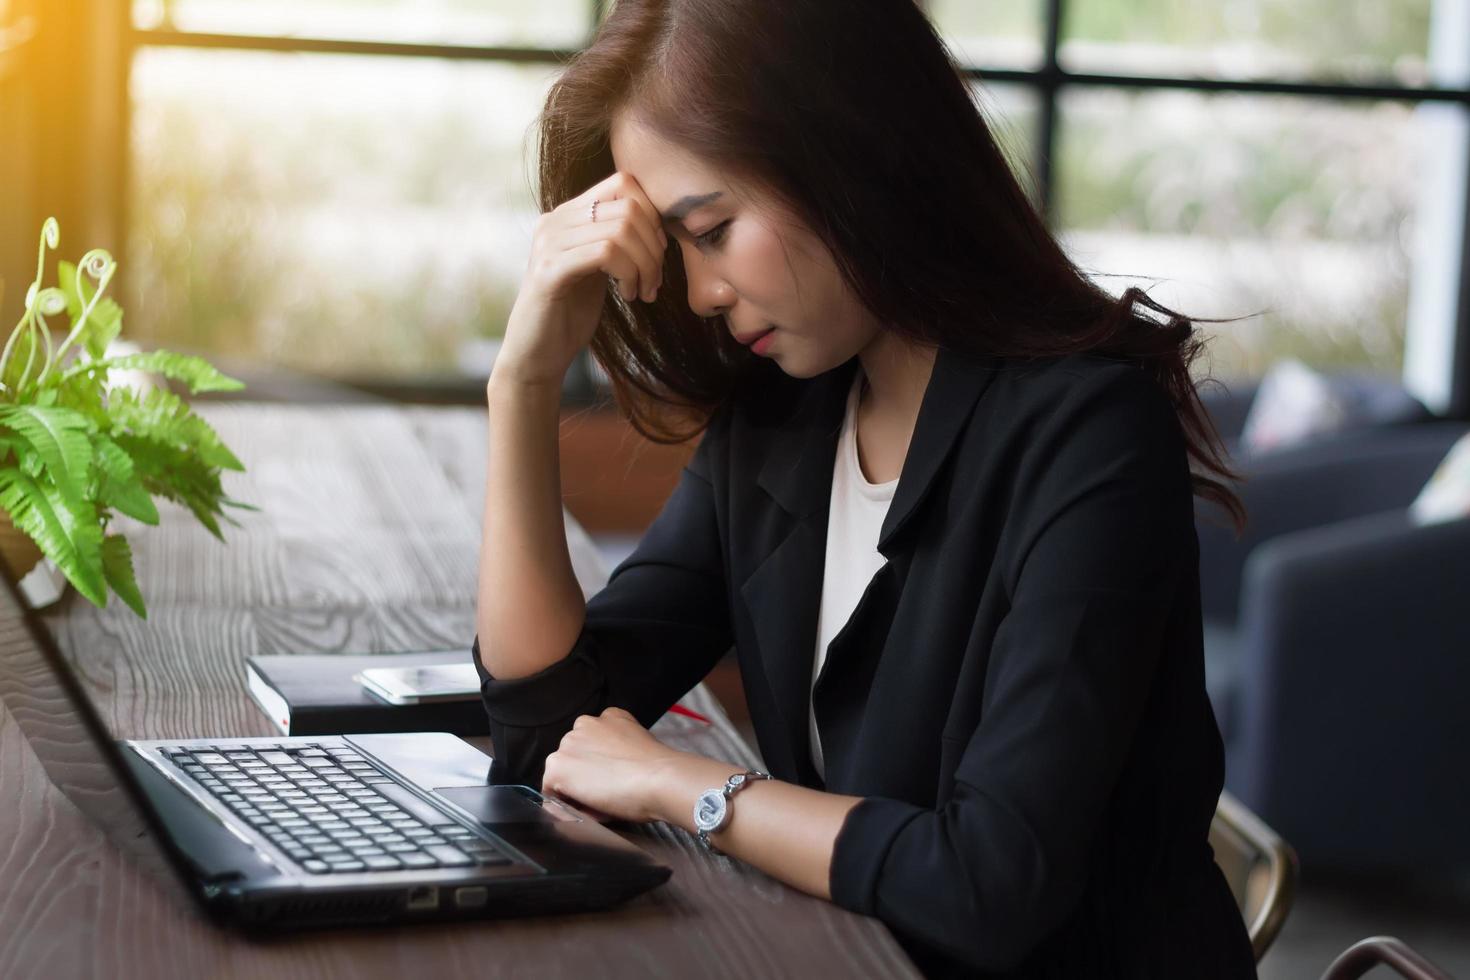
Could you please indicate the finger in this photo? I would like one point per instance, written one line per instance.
(645, 221)
(604, 190)
(616, 186)
(557, 779)
(623, 187)
(623, 221)
(551, 774)
(602, 255)
(624, 232)
(616, 712)
(647, 218)
(630, 188)
(627, 259)
(640, 215)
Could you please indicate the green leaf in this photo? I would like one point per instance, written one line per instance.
(58, 437)
(121, 487)
(105, 323)
(84, 393)
(162, 417)
(198, 373)
(178, 475)
(18, 354)
(117, 565)
(69, 536)
(66, 274)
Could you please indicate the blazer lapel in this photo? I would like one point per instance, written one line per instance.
(783, 594)
(955, 385)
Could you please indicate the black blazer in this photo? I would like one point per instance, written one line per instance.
(1019, 695)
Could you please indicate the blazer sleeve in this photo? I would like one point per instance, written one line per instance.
(652, 633)
(1107, 501)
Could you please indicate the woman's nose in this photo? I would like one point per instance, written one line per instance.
(709, 295)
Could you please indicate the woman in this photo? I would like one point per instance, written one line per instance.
(942, 506)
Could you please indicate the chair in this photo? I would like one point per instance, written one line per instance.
(1370, 400)
(1330, 479)
(1260, 867)
(1334, 631)
(1363, 956)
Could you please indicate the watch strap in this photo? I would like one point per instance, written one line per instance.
(733, 785)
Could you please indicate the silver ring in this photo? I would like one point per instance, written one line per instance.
(594, 211)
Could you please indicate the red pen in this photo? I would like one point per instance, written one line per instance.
(679, 709)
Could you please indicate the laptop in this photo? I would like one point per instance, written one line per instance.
(275, 834)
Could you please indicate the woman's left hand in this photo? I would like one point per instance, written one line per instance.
(609, 763)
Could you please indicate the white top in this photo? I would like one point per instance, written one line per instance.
(856, 516)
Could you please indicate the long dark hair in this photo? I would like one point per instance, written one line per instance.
(855, 117)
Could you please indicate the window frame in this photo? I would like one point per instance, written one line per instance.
(1445, 385)
(1049, 80)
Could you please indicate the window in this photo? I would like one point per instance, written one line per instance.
(349, 216)
(537, 24)
(342, 186)
(1365, 41)
(1299, 209)
(1005, 33)
(1012, 114)
(1300, 159)
(339, 187)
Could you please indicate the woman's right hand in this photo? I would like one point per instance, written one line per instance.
(560, 301)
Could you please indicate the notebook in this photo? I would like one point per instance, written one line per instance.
(317, 694)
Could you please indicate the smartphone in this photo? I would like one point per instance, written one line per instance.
(421, 685)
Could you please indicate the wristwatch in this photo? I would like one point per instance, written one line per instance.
(712, 809)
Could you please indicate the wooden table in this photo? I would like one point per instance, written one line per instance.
(368, 540)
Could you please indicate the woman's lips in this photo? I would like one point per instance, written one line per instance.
(763, 343)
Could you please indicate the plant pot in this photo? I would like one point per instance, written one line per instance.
(19, 552)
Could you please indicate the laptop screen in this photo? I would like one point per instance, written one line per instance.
(66, 733)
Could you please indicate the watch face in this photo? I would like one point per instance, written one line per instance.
(709, 809)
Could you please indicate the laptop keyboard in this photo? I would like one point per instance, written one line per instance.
(333, 811)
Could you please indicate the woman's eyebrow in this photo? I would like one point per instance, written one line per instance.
(679, 209)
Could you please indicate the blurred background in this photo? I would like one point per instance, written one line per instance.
(332, 199)
(343, 187)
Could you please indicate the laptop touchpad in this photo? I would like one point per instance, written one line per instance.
(502, 804)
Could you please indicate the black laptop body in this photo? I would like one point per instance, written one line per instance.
(271, 834)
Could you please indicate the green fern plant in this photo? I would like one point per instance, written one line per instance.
(75, 451)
